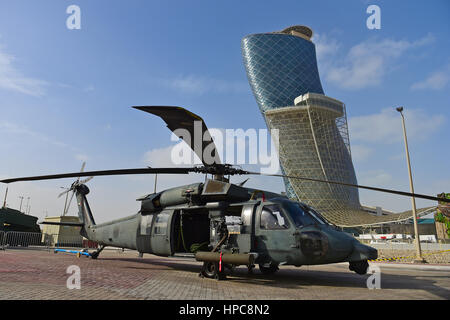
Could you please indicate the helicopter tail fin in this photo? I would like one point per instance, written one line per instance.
(84, 210)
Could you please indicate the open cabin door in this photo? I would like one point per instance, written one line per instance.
(161, 233)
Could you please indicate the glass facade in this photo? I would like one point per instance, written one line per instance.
(280, 67)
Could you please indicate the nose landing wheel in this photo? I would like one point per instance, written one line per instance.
(269, 268)
(360, 267)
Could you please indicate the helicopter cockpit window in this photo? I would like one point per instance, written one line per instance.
(273, 218)
(316, 215)
(302, 215)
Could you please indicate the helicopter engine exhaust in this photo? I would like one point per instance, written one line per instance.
(229, 258)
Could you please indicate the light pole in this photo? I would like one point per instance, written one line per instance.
(21, 199)
(28, 204)
(6, 195)
(419, 257)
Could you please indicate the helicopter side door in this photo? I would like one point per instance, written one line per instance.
(160, 238)
(245, 238)
(273, 233)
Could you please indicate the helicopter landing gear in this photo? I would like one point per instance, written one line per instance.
(268, 268)
(360, 267)
(94, 255)
(250, 268)
(211, 270)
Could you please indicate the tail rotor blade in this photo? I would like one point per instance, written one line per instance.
(85, 180)
(63, 193)
(82, 166)
(68, 205)
(81, 171)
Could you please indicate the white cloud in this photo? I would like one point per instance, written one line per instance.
(398, 156)
(12, 128)
(162, 157)
(325, 46)
(81, 157)
(12, 79)
(386, 126)
(199, 85)
(435, 81)
(375, 178)
(360, 153)
(367, 63)
(89, 88)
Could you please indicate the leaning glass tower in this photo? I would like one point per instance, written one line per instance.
(282, 72)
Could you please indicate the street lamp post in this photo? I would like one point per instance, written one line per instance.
(21, 199)
(419, 257)
(28, 204)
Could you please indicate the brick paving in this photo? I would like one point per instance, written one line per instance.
(34, 274)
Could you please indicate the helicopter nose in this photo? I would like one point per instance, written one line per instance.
(362, 252)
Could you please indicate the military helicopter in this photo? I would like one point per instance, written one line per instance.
(217, 222)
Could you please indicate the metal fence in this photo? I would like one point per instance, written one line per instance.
(14, 239)
(2, 235)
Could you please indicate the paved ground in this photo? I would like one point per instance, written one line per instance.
(31, 274)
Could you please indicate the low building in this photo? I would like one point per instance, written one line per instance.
(58, 235)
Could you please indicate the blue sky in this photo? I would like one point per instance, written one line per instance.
(65, 95)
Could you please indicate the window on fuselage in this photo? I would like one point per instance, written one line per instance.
(161, 223)
(272, 218)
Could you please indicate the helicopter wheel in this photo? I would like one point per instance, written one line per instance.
(211, 270)
(270, 269)
(360, 267)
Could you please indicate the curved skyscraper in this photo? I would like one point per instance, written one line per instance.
(282, 72)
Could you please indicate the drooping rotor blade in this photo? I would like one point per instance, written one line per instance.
(180, 118)
(402, 193)
(103, 173)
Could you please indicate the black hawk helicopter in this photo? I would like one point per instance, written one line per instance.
(220, 223)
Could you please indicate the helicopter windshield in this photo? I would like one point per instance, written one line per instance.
(303, 215)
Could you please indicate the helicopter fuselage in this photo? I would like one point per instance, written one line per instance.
(222, 217)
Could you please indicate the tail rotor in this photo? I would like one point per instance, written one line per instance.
(72, 188)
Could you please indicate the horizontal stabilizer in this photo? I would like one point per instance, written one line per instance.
(70, 224)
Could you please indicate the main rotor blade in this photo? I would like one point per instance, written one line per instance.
(179, 118)
(103, 173)
(402, 193)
